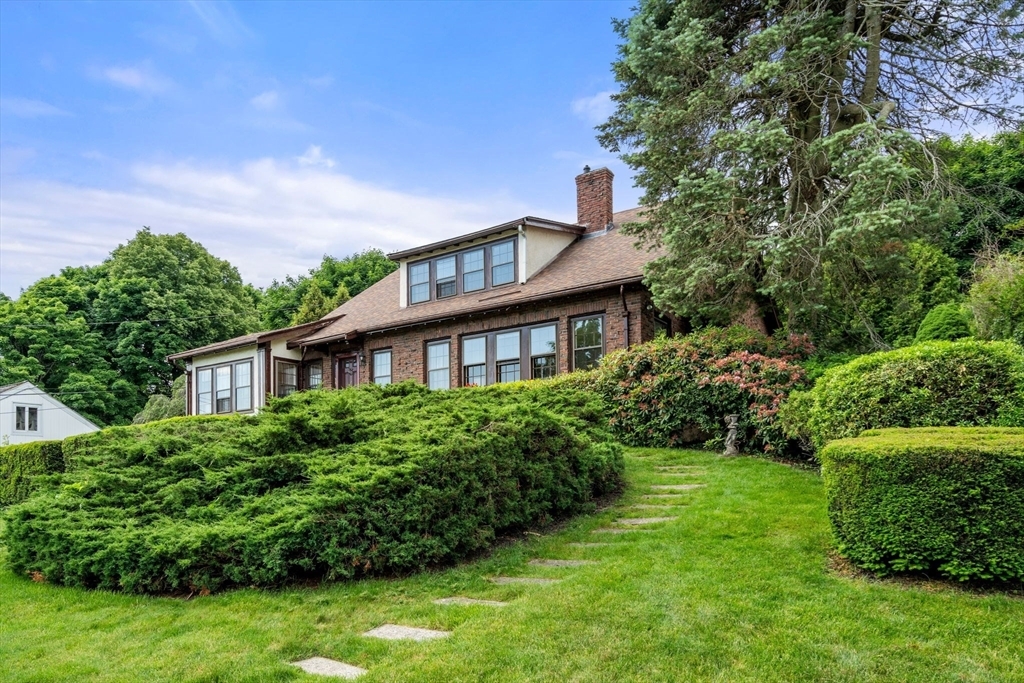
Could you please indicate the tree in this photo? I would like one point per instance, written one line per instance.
(991, 208)
(160, 407)
(996, 299)
(356, 272)
(314, 306)
(780, 143)
(97, 337)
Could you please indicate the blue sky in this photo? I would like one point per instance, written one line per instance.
(275, 133)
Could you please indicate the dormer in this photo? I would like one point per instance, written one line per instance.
(504, 255)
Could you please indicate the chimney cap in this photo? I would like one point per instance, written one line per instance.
(586, 169)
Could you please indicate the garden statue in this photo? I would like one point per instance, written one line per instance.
(732, 422)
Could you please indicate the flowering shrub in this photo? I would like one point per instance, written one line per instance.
(673, 391)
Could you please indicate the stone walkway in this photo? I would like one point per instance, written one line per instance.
(626, 525)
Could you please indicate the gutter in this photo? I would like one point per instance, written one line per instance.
(622, 282)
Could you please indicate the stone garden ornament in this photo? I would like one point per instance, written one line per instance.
(732, 423)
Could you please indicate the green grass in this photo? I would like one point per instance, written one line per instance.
(736, 589)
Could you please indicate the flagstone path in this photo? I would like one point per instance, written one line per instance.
(397, 632)
(458, 600)
(322, 666)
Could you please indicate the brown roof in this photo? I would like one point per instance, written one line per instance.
(295, 331)
(593, 261)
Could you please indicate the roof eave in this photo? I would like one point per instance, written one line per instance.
(532, 221)
(471, 311)
(304, 329)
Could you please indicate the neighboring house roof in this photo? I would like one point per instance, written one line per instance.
(594, 261)
(526, 220)
(19, 389)
(295, 331)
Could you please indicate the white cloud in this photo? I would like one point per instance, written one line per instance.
(265, 100)
(222, 22)
(595, 109)
(139, 78)
(29, 109)
(314, 156)
(269, 218)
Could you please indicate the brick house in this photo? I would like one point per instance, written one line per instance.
(529, 298)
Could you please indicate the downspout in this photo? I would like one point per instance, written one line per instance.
(625, 312)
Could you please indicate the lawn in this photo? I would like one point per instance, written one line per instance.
(737, 588)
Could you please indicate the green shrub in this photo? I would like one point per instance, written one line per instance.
(21, 464)
(997, 298)
(945, 322)
(323, 484)
(949, 500)
(678, 390)
(961, 383)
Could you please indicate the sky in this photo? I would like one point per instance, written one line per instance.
(275, 133)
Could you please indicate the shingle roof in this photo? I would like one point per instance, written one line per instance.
(256, 337)
(7, 387)
(593, 261)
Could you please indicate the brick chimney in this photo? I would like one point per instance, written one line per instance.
(594, 198)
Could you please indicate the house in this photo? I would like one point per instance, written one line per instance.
(526, 299)
(27, 413)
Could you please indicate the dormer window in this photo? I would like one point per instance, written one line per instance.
(472, 270)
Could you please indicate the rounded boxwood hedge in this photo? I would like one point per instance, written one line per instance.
(322, 484)
(945, 499)
(959, 383)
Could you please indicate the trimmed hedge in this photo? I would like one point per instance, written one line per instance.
(960, 383)
(20, 464)
(947, 500)
(322, 484)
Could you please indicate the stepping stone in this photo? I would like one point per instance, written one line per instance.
(617, 531)
(676, 487)
(396, 632)
(676, 496)
(560, 563)
(677, 467)
(469, 601)
(589, 545)
(634, 521)
(654, 507)
(321, 666)
(681, 474)
(506, 580)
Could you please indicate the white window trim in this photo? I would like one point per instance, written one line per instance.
(27, 407)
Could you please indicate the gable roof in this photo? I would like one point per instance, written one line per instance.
(594, 261)
(296, 331)
(8, 390)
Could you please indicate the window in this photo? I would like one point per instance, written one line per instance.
(382, 367)
(474, 362)
(314, 374)
(473, 270)
(507, 356)
(204, 384)
(446, 285)
(542, 352)
(243, 386)
(588, 342)
(503, 267)
(222, 376)
(287, 378)
(439, 365)
(26, 418)
(224, 389)
(419, 283)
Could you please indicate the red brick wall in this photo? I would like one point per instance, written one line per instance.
(409, 345)
(594, 199)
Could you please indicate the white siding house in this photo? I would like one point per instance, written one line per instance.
(27, 413)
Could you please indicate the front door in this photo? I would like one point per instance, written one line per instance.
(348, 371)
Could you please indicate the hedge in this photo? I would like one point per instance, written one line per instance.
(959, 383)
(21, 464)
(322, 484)
(947, 500)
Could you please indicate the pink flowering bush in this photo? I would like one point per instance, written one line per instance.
(674, 391)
